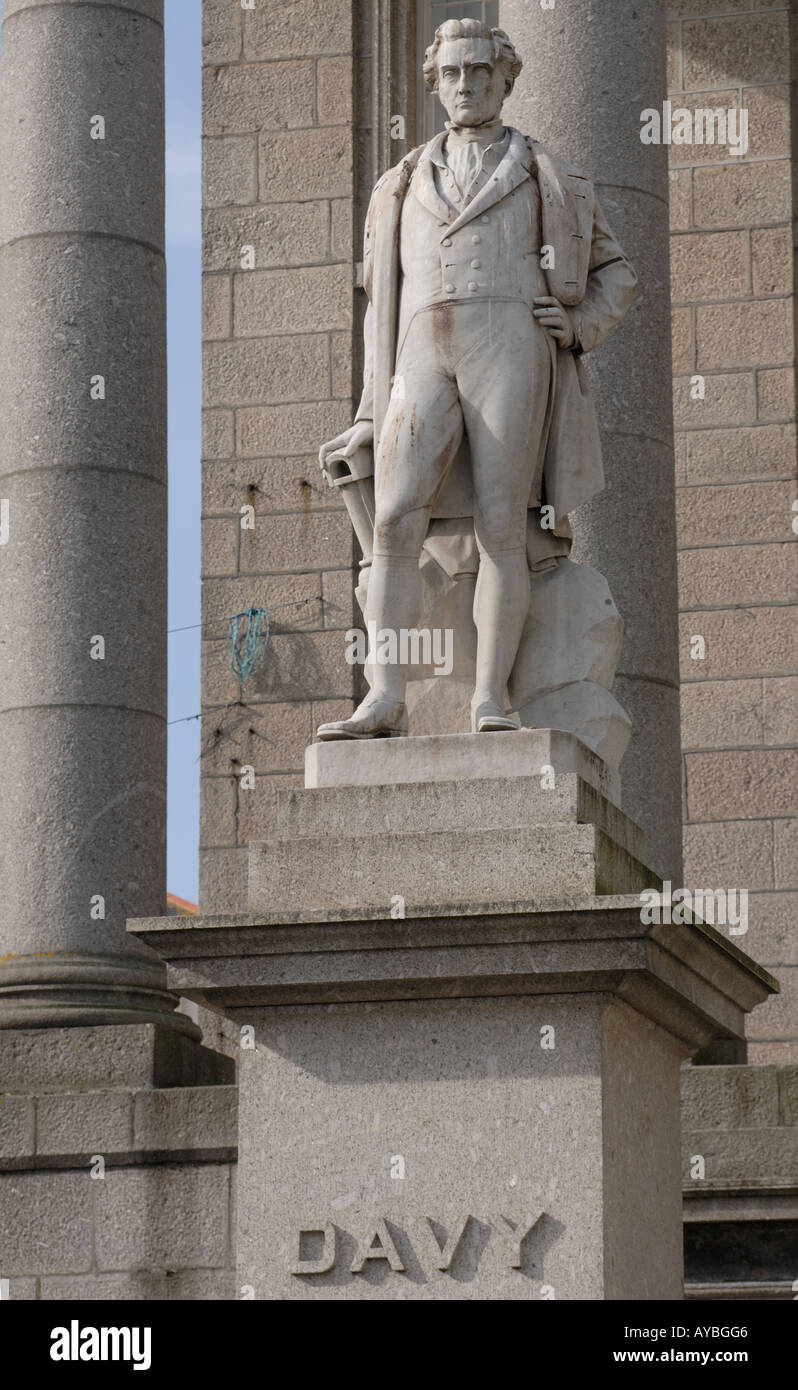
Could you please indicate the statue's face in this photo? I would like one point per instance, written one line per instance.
(471, 84)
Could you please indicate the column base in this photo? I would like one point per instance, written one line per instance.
(68, 990)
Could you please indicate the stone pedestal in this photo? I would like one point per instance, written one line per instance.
(451, 1099)
(517, 1069)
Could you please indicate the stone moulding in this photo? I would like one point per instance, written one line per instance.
(80, 989)
(689, 979)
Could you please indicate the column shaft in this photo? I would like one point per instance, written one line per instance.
(83, 472)
(590, 69)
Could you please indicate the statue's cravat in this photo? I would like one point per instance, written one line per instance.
(465, 162)
(467, 153)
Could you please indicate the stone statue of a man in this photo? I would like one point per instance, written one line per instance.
(489, 269)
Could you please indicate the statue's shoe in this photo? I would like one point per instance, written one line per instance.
(489, 717)
(373, 719)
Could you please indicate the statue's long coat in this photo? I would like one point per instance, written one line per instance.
(590, 276)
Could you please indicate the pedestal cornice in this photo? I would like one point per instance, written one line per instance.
(688, 979)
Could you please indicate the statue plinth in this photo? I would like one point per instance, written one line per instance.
(454, 1099)
(456, 758)
(494, 818)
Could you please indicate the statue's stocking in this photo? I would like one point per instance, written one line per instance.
(501, 603)
(393, 603)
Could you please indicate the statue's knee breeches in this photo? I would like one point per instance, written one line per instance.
(500, 527)
(400, 531)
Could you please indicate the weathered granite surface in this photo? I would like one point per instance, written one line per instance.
(516, 1067)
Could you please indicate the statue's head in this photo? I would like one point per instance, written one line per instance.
(472, 68)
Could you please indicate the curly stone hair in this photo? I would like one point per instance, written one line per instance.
(503, 49)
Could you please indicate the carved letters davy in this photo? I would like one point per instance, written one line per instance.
(379, 1244)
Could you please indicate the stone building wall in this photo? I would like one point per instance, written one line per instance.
(279, 156)
(732, 265)
(118, 1151)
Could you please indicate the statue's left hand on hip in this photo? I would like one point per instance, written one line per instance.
(551, 315)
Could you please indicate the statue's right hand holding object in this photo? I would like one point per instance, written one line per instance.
(358, 436)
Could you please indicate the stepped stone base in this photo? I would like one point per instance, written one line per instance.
(540, 829)
(536, 864)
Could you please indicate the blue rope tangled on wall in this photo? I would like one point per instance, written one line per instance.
(247, 648)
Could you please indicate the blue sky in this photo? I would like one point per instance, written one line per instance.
(183, 257)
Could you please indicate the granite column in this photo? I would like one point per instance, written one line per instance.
(590, 70)
(83, 485)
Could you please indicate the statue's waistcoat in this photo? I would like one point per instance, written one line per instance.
(495, 256)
